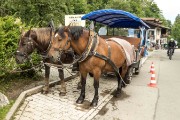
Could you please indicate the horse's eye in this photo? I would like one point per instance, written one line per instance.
(59, 39)
(23, 44)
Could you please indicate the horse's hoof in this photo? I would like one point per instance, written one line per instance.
(93, 103)
(62, 93)
(117, 94)
(123, 85)
(91, 75)
(79, 101)
(79, 87)
(44, 91)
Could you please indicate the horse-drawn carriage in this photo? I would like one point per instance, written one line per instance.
(98, 54)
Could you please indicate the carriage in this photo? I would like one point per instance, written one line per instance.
(121, 19)
(98, 53)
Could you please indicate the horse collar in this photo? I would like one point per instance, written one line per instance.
(91, 46)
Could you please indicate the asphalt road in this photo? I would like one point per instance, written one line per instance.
(141, 102)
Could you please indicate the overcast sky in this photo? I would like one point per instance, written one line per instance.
(170, 8)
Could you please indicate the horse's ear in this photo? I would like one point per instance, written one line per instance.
(69, 25)
(22, 31)
(30, 31)
(67, 28)
(51, 24)
(30, 28)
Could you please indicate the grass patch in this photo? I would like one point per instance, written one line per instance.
(13, 85)
(4, 110)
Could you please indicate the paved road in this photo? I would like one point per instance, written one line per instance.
(140, 102)
(137, 102)
(169, 86)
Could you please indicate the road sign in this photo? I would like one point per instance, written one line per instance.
(75, 20)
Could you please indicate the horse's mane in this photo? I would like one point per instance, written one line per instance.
(42, 34)
(75, 31)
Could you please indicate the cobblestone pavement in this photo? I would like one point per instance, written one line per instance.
(55, 107)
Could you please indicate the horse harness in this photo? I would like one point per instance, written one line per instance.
(90, 51)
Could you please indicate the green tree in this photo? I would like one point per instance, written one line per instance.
(175, 32)
(9, 33)
(38, 13)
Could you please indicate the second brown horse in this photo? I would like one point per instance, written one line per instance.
(81, 41)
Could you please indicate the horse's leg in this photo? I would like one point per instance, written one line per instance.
(62, 82)
(79, 85)
(118, 91)
(123, 72)
(97, 74)
(120, 72)
(46, 86)
(83, 85)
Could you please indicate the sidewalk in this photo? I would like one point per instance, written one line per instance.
(55, 107)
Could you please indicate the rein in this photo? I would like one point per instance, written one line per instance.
(34, 67)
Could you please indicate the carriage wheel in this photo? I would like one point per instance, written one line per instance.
(129, 75)
(136, 71)
(170, 57)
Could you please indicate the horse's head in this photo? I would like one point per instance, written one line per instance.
(60, 43)
(26, 46)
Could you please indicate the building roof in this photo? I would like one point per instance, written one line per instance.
(154, 22)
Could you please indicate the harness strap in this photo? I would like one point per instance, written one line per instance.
(109, 50)
(109, 61)
(91, 46)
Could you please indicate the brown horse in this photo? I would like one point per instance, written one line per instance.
(40, 39)
(82, 42)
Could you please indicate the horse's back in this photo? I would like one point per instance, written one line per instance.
(128, 49)
(132, 40)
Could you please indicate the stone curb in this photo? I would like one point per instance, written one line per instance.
(29, 92)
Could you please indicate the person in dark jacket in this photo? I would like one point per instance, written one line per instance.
(171, 44)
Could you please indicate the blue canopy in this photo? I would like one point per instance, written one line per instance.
(115, 18)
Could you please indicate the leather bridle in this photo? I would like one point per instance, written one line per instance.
(31, 44)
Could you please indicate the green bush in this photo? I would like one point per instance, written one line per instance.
(10, 30)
